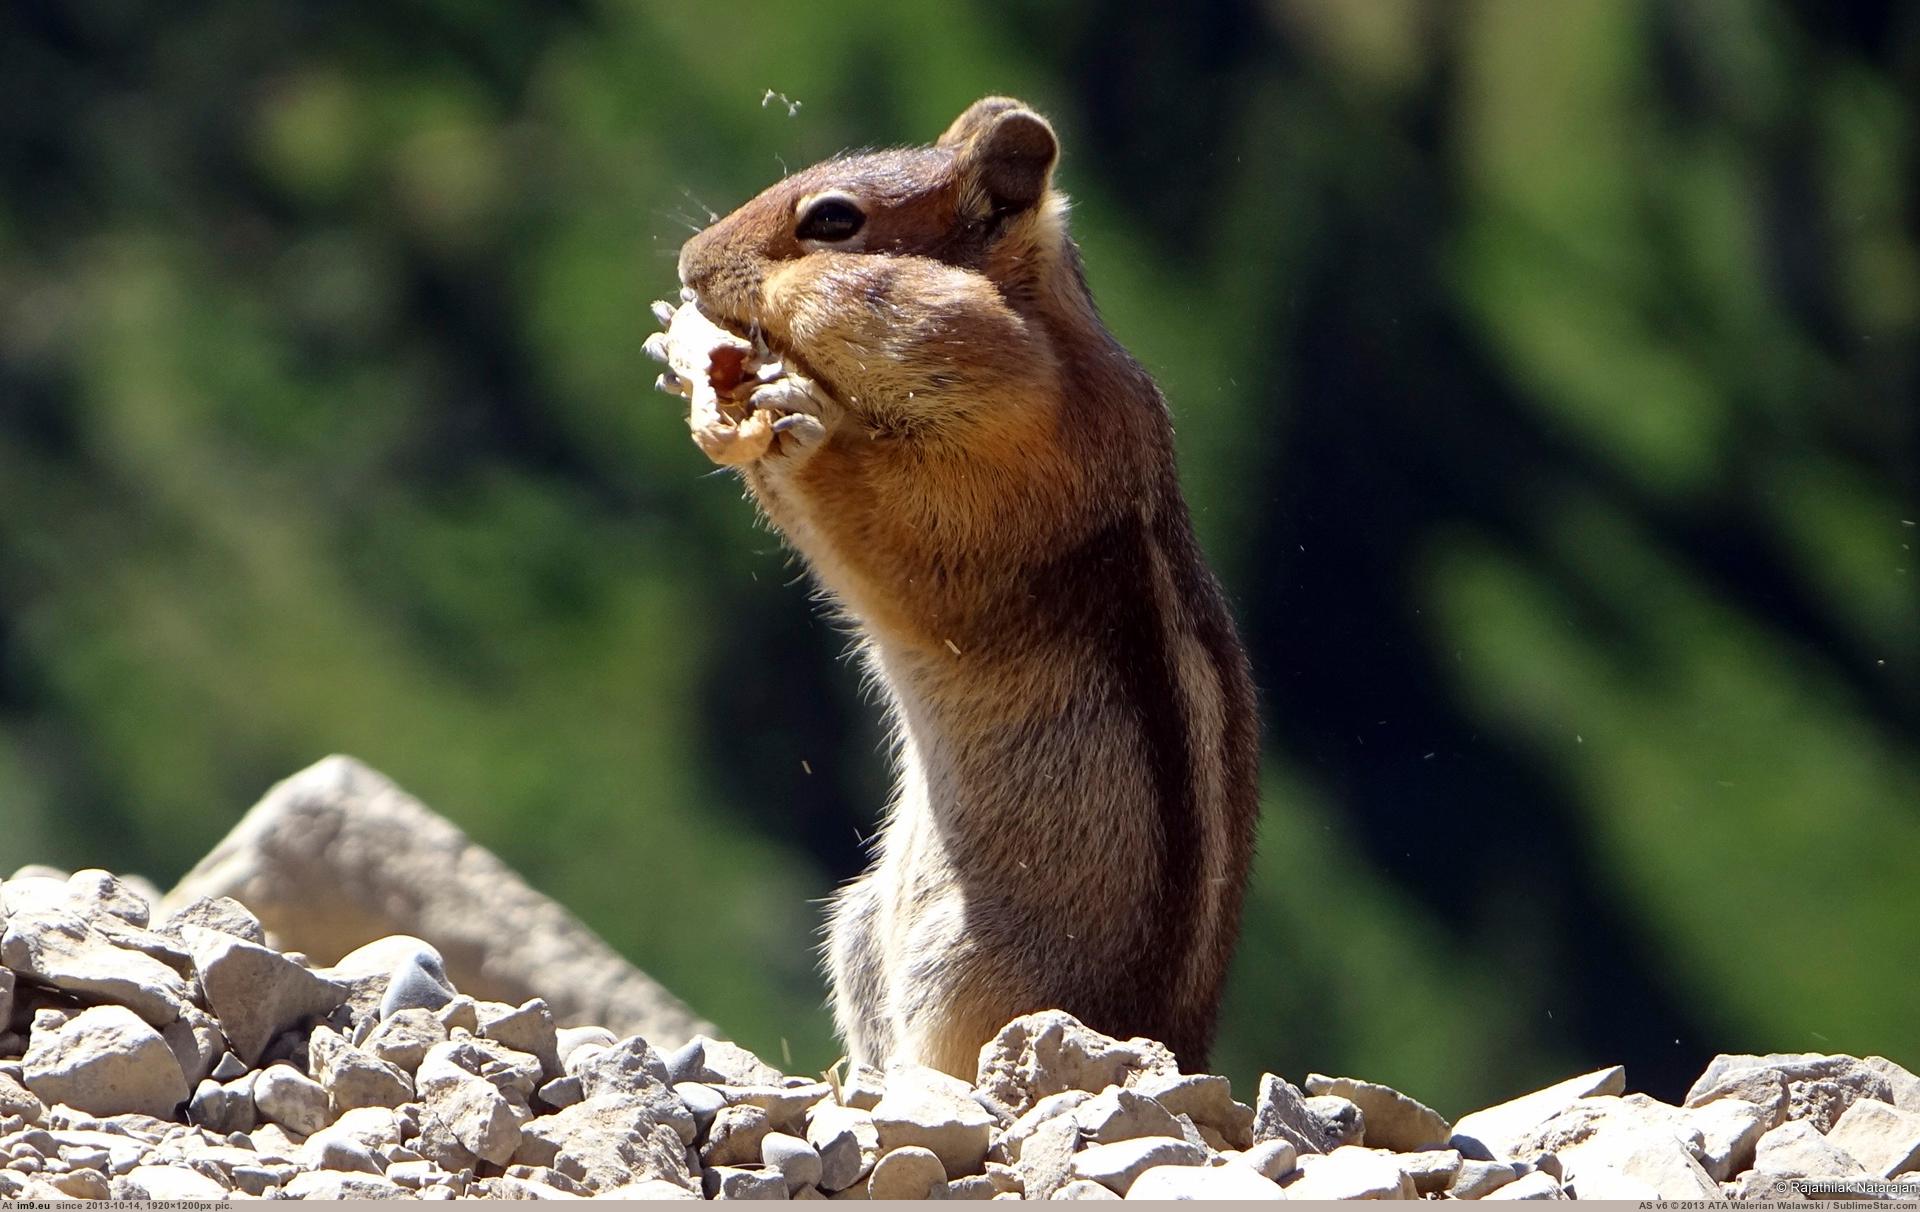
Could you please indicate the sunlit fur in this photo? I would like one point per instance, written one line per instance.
(994, 507)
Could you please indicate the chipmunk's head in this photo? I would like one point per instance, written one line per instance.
(979, 199)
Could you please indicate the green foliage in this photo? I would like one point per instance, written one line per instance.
(1545, 378)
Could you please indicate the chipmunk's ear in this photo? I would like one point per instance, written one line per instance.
(1006, 150)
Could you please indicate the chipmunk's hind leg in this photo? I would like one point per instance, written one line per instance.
(858, 974)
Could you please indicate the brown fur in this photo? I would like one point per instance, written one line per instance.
(993, 503)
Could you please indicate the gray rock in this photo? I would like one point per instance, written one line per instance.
(166, 1183)
(1281, 1114)
(569, 1039)
(334, 1184)
(934, 1111)
(1273, 1159)
(740, 1182)
(1046, 1155)
(1537, 1185)
(1204, 1098)
(1796, 1149)
(58, 947)
(460, 1014)
(721, 1063)
(1882, 1138)
(1121, 1114)
(404, 1039)
(1341, 1120)
(105, 893)
(228, 1067)
(353, 1078)
(1349, 1172)
(417, 981)
(254, 992)
(1492, 1133)
(1729, 1129)
(105, 1061)
(6, 996)
(18, 1101)
(794, 1158)
(1041, 1054)
(628, 1066)
(196, 1042)
(1203, 1182)
(1008, 1142)
(341, 835)
(734, 1139)
(1764, 1088)
(564, 1091)
(650, 1188)
(1820, 1087)
(221, 913)
(1477, 1179)
(847, 1141)
(786, 1106)
(1393, 1121)
(703, 1101)
(1432, 1170)
(223, 1108)
(909, 1172)
(466, 1106)
(1903, 1083)
(528, 1028)
(608, 1142)
(1115, 1166)
(1083, 1188)
(288, 1097)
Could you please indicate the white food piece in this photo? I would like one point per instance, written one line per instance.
(737, 388)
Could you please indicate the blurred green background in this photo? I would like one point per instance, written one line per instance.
(1546, 384)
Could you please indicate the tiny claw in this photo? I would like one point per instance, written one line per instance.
(803, 427)
(670, 383)
(687, 295)
(663, 311)
(655, 347)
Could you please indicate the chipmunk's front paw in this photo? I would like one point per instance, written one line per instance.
(746, 404)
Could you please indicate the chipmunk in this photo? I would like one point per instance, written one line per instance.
(914, 383)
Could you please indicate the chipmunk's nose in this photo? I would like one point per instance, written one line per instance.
(696, 259)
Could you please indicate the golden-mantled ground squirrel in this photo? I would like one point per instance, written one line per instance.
(900, 354)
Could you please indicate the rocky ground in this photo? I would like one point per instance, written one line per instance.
(181, 1053)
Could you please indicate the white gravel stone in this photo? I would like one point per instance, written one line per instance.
(1432, 1170)
(334, 1184)
(59, 947)
(1393, 1120)
(256, 993)
(1116, 1165)
(1541, 1185)
(1882, 1138)
(404, 1039)
(290, 1098)
(1271, 1159)
(908, 1172)
(1041, 1054)
(1203, 1182)
(1349, 1173)
(168, 1183)
(1902, 1081)
(1492, 1133)
(734, 1139)
(1206, 1099)
(221, 913)
(105, 1061)
(1729, 1129)
(353, 1078)
(1121, 1114)
(609, 1142)
(469, 1108)
(1281, 1113)
(1084, 1188)
(794, 1158)
(934, 1111)
(528, 1028)
(1797, 1149)
(1477, 1179)
(848, 1142)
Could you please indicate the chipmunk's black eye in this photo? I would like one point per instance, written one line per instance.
(830, 220)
